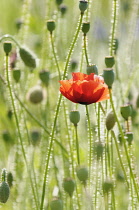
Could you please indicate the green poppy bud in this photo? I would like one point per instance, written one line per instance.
(6, 136)
(27, 57)
(108, 75)
(109, 61)
(4, 192)
(126, 111)
(58, 2)
(56, 204)
(129, 137)
(9, 114)
(85, 27)
(73, 64)
(83, 6)
(16, 74)
(63, 9)
(44, 77)
(51, 25)
(10, 179)
(74, 117)
(82, 174)
(35, 137)
(92, 69)
(99, 148)
(35, 94)
(107, 186)
(69, 186)
(110, 120)
(7, 46)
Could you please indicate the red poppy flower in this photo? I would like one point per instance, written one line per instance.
(84, 89)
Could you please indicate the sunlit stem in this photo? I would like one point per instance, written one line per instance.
(77, 145)
(85, 49)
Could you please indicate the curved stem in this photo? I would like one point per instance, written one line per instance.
(8, 36)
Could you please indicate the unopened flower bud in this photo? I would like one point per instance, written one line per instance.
(83, 6)
(16, 74)
(86, 27)
(109, 61)
(27, 57)
(110, 120)
(35, 137)
(9, 114)
(82, 174)
(56, 204)
(44, 77)
(35, 94)
(7, 46)
(99, 148)
(51, 25)
(6, 136)
(10, 179)
(126, 111)
(92, 69)
(107, 186)
(4, 192)
(58, 2)
(129, 137)
(63, 9)
(108, 75)
(73, 64)
(69, 186)
(74, 117)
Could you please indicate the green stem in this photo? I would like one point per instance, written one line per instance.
(85, 49)
(77, 145)
(125, 147)
(55, 56)
(8, 36)
(18, 128)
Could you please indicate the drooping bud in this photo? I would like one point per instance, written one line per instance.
(35, 137)
(69, 186)
(107, 185)
(35, 95)
(126, 111)
(16, 74)
(51, 25)
(92, 69)
(129, 137)
(109, 61)
(7, 46)
(56, 204)
(108, 75)
(83, 6)
(85, 27)
(82, 174)
(27, 57)
(74, 117)
(110, 120)
(99, 148)
(44, 77)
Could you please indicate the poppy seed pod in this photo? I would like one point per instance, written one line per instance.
(109, 76)
(92, 69)
(69, 186)
(35, 137)
(7, 46)
(4, 192)
(83, 6)
(16, 74)
(44, 77)
(73, 64)
(51, 25)
(35, 94)
(129, 137)
(63, 9)
(85, 27)
(109, 61)
(82, 174)
(126, 111)
(74, 117)
(110, 120)
(107, 185)
(99, 148)
(58, 2)
(27, 57)
(56, 204)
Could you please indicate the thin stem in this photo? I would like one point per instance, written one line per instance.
(124, 143)
(55, 56)
(18, 128)
(85, 49)
(77, 145)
